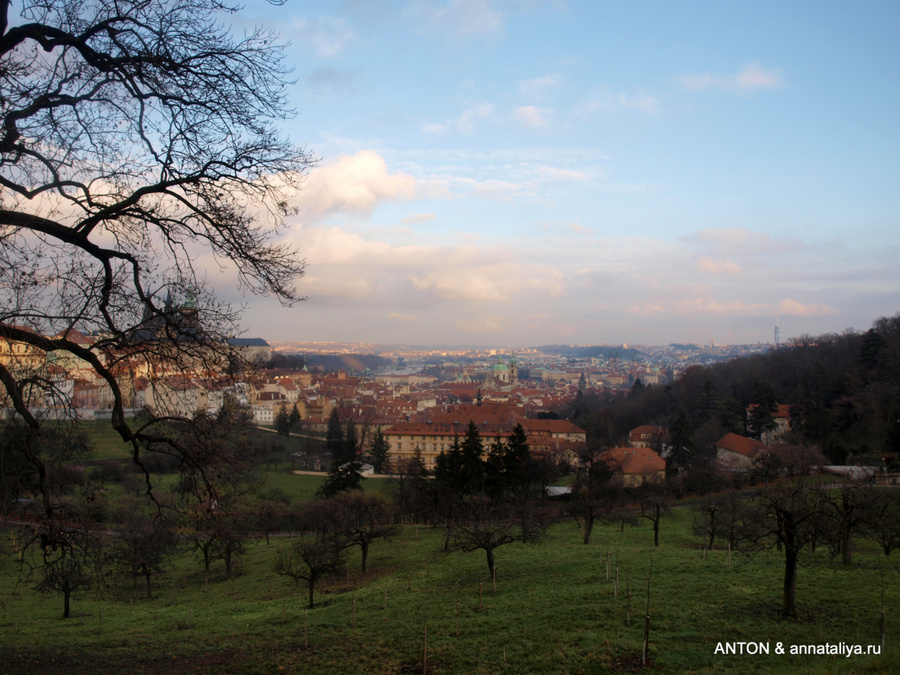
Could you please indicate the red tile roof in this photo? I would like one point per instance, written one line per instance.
(741, 445)
(632, 461)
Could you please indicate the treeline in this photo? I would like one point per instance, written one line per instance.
(351, 363)
(843, 390)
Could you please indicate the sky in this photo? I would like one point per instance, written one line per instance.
(525, 172)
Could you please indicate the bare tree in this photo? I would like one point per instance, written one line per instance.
(720, 516)
(314, 555)
(135, 137)
(786, 515)
(486, 525)
(593, 493)
(361, 519)
(654, 500)
(142, 545)
(847, 508)
(65, 560)
(882, 519)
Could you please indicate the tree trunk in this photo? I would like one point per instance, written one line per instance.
(66, 595)
(656, 518)
(788, 607)
(365, 555)
(846, 543)
(490, 561)
(587, 528)
(147, 578)
(312, 586)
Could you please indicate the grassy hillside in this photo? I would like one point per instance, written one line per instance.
(554, 611)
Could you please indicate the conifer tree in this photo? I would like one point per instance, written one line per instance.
(379, 451)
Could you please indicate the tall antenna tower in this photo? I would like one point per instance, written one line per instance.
(777, 332)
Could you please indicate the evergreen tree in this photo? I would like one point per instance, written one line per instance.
(334, 436)
(379, 451)
(681, 440)
(495, 478)
(448, 468)
(283, 422)
(518, 464)
(471, 477)
(342, 477)
(295, 421)
(351, 442)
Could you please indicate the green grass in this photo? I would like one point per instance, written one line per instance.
(554, 611)
(107, 443)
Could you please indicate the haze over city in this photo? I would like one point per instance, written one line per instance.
(522, 173)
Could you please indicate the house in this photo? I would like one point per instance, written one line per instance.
(635, 466)
(647, 436)
(735, 453)
(781, 417)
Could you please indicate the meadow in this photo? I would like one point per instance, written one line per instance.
(554, 610)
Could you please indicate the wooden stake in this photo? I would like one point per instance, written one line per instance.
(283, 611)
(384, 603)
(628, 610)
(494, 580)
(101, 622)
(882, 611)
(479, 594)
(306, 629)
(354, 612)
(457, 617)
(728, 559)
(617, 581)
(424, 650)
(647, 619)
(607, 565)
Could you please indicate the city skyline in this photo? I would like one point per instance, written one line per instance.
(525, 173)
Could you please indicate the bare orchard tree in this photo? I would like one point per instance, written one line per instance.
(136, 136)
(882, 522)
(319, 552)
(486, 525)
(361, 519)
(787, 515)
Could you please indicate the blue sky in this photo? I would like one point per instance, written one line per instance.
(503, 172)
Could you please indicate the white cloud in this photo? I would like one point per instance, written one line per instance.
(465, 123)
(537, 85)
(751, 78)
(481, 324)
(326, 36)
(739, 241)
(433, 129)
(356, 183)
(710, 266)
(461, 19)
(612, 102)
(793, 308)
(418, 218)
(575, 227)
(531, 117)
